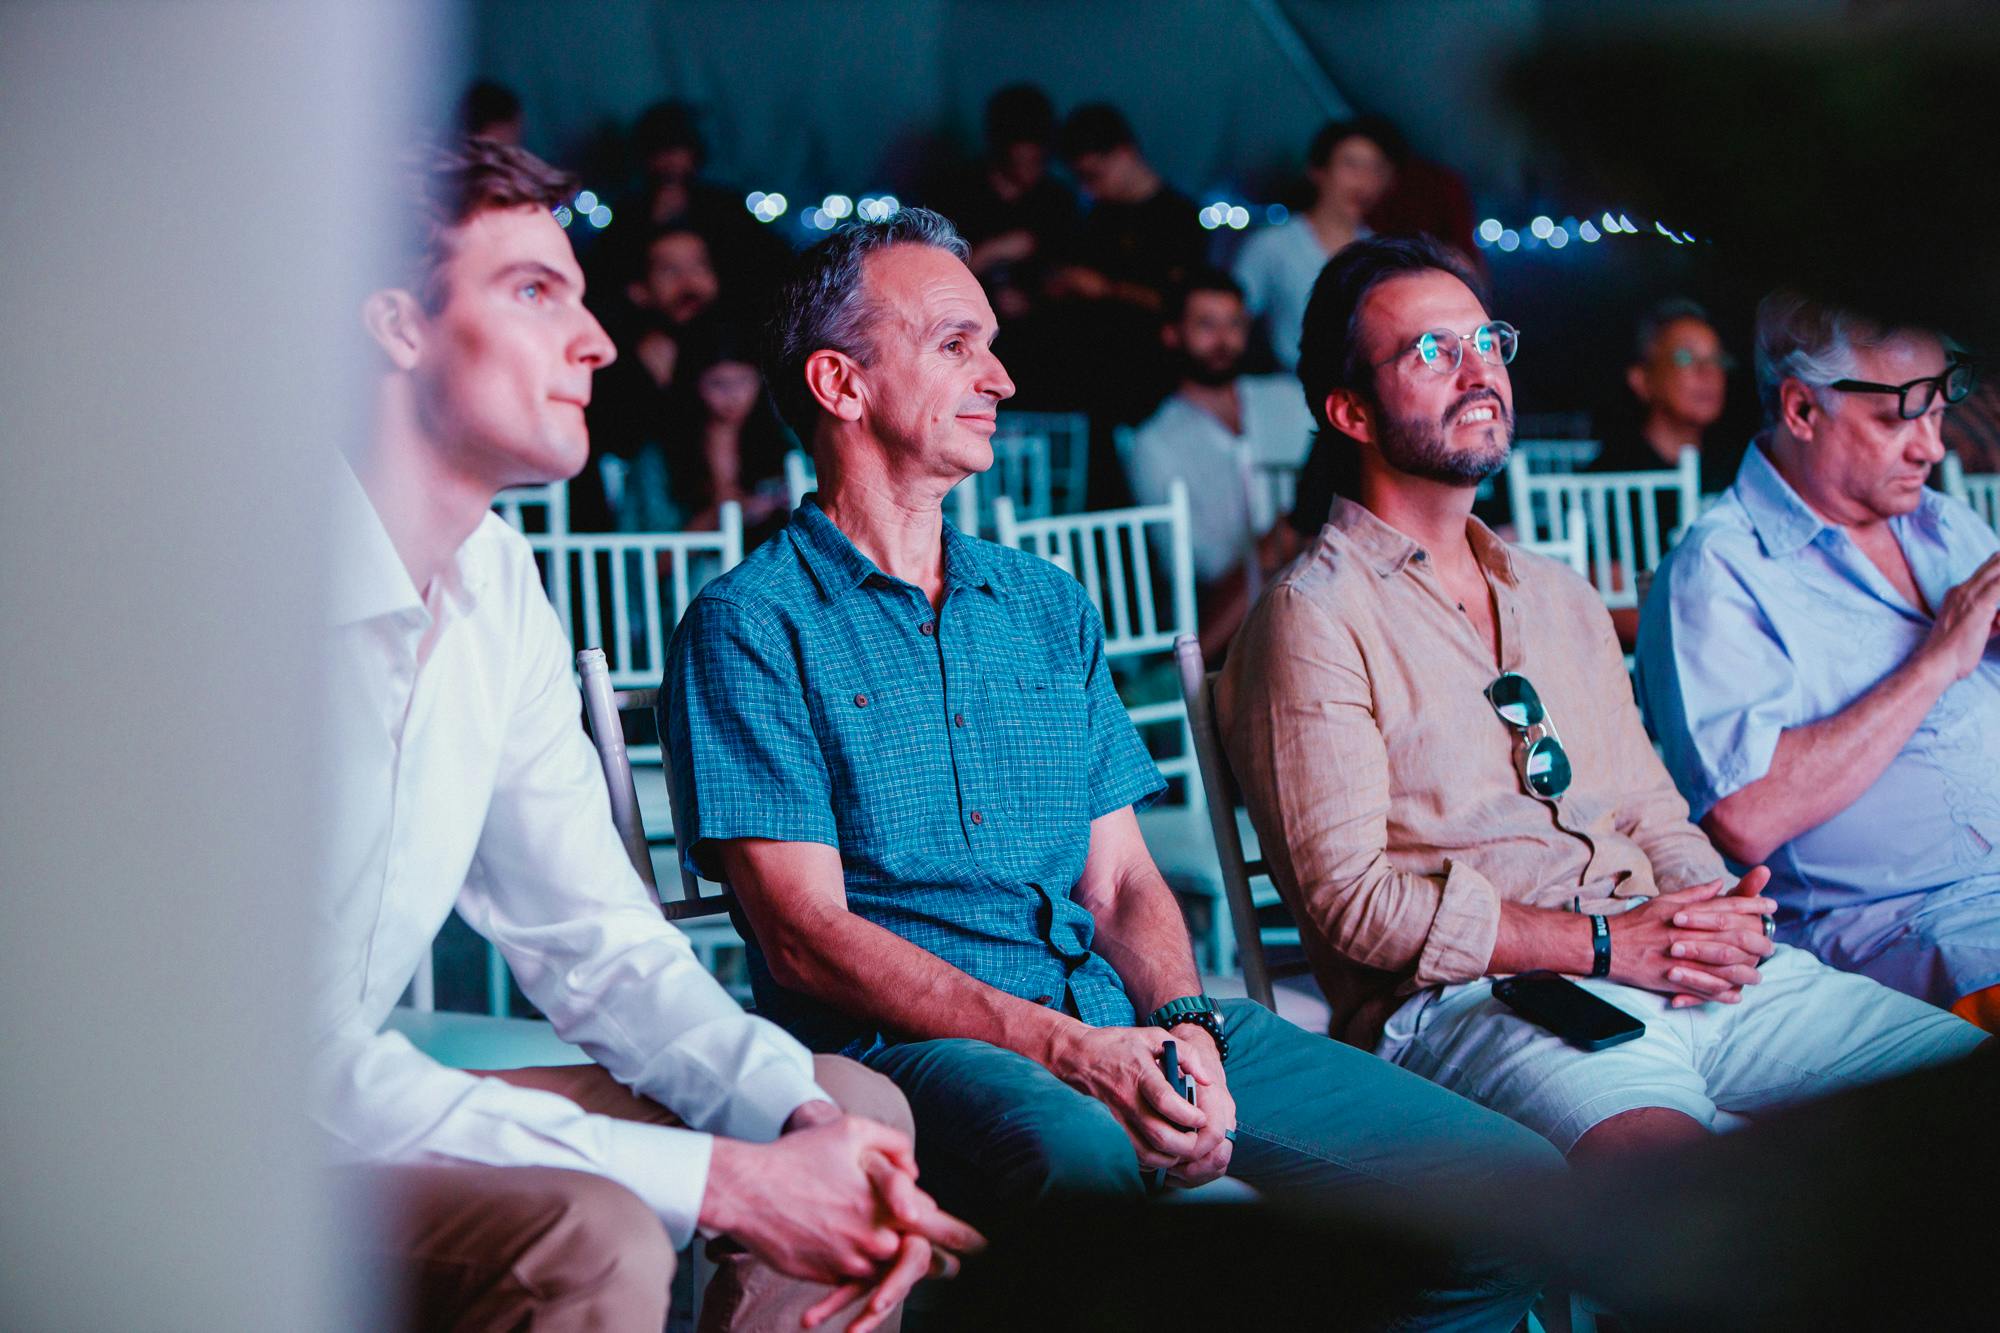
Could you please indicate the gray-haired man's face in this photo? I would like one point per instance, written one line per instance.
(931, 383)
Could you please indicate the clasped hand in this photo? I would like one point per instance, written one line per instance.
(836, 1200)
(1696, 944)
(1121, 1068)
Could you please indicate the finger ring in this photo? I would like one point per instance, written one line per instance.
(1770, 929)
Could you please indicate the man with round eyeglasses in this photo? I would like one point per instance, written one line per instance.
(1449, 777)
(1820, 661)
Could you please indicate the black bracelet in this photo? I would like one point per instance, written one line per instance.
(1209, 1022)
(1600, 947)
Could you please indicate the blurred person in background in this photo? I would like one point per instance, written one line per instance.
(1009, 209)
(1679, 381)
(1820, 662)
(671, 152)
(634, 417)
(1138, 237)
(1211, 432)
(542, 1196)
(733, 447)
(490, 110)
(1350, 166)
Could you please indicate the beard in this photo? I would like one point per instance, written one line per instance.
(1207, 373)
(1418, 448)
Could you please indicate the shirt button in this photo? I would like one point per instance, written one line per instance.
(928, 628)
(860, 701)
(978, 818)
(958, 719)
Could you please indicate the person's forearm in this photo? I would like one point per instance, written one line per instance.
(862, 969)
(1141, 934)
(1823, 767)
(1541, 937)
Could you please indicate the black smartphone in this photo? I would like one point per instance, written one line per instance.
(1170, 1065)
(1567, 1009)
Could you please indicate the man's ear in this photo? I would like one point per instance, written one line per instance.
(396, 322)
(835, 381)
(1798, 411)
(1170, 337)
(1635, 380)
(638, 295)
(1346, 413)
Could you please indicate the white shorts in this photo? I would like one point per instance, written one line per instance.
(1804, 1031)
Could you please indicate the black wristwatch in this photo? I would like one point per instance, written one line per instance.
(1600, 947)
(1196, 1009)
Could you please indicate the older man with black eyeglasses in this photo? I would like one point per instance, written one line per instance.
(1449, 776)
(1821, 663)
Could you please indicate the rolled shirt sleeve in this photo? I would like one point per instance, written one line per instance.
(1718, 683)
(1314, 770)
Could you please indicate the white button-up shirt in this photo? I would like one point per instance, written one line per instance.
(462, 776)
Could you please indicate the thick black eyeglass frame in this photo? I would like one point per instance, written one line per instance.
(1958, 373)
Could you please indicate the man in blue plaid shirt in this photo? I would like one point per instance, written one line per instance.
(901, 747)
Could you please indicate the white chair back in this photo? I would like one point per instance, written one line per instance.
(1568, 548)
(1619, 514)
(1111, 553)
(1981, 490)
(1064, 460)
(1247, 909)
(535, 509)
(1563, 456)
(625, 591)
(802, 478)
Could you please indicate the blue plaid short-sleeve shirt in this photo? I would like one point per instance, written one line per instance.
(955, 759)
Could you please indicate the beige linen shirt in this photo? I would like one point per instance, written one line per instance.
(1384, 788)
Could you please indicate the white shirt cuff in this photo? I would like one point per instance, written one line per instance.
(761, 1103)
(668, 1168)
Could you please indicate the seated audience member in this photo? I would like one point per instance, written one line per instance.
(1447, 771)
(734, 447)
(1109, 281)
(670, 151)
(490, 110)
(1678, 378)
(1216, 425)
(1009, 209)
(1819, 661)
(542, 1197)
(1677, 381)
(634, 417)
(1350, 166)
(900, 746)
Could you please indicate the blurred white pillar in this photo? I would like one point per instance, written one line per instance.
(178, 230)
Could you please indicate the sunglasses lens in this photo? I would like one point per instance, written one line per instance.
(1548, 768)
(1515, 700)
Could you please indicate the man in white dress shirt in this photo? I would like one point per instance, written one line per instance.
(546, 1197)
(1214, 432)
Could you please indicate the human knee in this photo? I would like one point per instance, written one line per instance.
(1084, 1151)
(860, 1091)
(602, 1237)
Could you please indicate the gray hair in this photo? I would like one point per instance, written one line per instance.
(822, 305)
(1802, 339)
(1654, 322)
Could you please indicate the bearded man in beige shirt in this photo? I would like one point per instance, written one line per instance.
(1447, 770)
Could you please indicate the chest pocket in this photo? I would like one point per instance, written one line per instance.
(886, 755)
(1037, 755)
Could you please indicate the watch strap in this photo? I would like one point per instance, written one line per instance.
(1197, 1009)
(1600, 947)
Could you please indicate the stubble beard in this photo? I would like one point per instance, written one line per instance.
(1418, 448)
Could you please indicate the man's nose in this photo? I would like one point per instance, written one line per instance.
(593, 346)
(994, 380)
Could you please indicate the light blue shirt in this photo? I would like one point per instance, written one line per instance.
(1766, 617)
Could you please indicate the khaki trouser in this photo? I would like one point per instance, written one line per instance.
(529, 1247)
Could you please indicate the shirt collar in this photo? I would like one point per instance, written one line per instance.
(370, 579)
(1387, 550)
(838, 565)
(1785, 523)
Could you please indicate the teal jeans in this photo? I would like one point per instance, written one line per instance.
(999, 1135)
